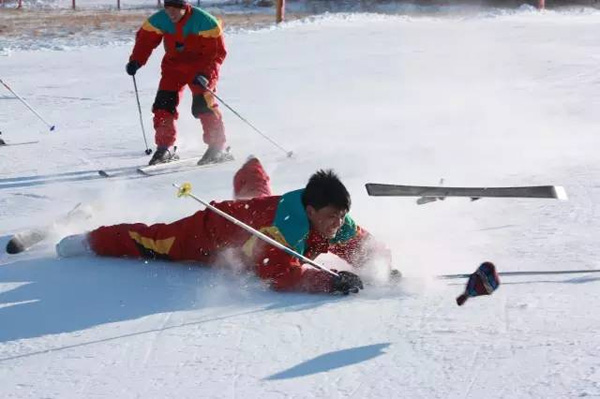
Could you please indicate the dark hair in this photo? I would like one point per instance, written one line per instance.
(324, 188)
(175, 3)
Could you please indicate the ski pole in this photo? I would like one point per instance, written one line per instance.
(148, 151)
(27, 105)
(524, 273)
(185, 190)
(204, 84)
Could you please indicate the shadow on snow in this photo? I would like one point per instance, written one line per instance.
(65, 295)
(332, 360)
(82, 175)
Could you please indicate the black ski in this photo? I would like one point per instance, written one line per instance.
(440, 192)
(5, 144)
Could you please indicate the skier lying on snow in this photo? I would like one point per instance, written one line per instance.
(311, 221)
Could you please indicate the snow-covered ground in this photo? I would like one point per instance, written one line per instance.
(481, 100)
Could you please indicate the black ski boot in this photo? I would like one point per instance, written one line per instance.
(215, 155)
(163, 155)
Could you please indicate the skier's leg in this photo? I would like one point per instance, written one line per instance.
(165, 109)
(164, 120)
(180, 240)
(205, 108)
(251, 181)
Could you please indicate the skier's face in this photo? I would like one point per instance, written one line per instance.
(327, 220)
(175, 14)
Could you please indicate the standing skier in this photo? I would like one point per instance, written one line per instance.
(311, 221)
(194, 52)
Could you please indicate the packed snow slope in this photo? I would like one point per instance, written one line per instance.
(487, 100)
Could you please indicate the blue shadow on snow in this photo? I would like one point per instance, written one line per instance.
(65, 295)
(332, 360)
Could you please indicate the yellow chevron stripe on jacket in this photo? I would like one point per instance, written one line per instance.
(271, 231)
(147, 26)
(212, 33)
(158, 246)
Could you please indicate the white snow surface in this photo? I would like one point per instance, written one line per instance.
(488, 100)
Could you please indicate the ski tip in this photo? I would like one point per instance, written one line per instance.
(14, 247)
(560, 193)
(143, 171)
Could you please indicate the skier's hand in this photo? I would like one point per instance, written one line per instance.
(201, 80)
(346, 283)
(132, 67)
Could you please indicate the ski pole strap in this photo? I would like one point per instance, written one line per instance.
(185, 190)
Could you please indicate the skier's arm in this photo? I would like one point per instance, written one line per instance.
(285, 273)
(148, 37)
(213, 52)
(217, 54)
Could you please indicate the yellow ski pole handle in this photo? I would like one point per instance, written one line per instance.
(185, 190)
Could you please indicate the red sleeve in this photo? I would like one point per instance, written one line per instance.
(146, 41)
(285, 273)
(216, 53)
(361, 248)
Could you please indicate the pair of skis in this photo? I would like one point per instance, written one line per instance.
(178, 165)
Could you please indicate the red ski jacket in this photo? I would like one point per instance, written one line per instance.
(193, 46)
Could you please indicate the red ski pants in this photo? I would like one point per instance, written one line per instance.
(204, 107)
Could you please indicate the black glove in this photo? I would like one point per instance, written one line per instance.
(201, 80)
(346, 282)
(132, 67)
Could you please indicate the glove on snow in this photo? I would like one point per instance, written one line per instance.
(346, 282)
(484, 281)
(132, 67)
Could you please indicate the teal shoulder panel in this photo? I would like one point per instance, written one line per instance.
(200, 21)
(346, 232)
(161, 21)
(291, 220)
